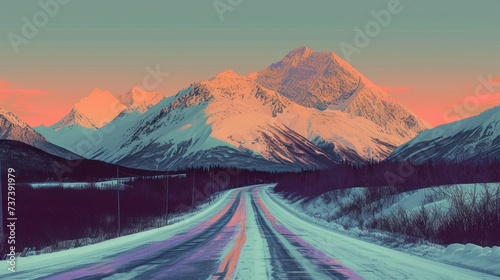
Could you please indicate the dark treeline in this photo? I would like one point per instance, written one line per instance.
(50, 217)
(403, 176)
(472, 217)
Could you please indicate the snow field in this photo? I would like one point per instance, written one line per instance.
(472, 256)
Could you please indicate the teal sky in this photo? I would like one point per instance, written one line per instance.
(438, 49)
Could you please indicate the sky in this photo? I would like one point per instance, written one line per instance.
(440, 59)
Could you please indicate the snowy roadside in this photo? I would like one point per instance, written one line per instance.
(58, 261)
(158, 221)
(484, 259)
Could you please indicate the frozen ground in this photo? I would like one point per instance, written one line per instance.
(246, 234)
(326, 213)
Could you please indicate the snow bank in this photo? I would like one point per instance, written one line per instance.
(325, 213)
(473, 256)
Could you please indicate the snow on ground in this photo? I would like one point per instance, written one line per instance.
(109, 183)
(322, 211)
(88, 254)
(369, 260)
(101, 184)
(473, 256)
(253, 262)
(268, 237)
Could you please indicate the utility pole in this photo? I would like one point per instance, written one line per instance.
(1, 200)
(118, 187)
(192, 197)
(166, 206)
(212, 187)
(220, 185)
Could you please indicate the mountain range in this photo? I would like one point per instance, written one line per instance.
(311, 109)
(13, 128)
(33, 165)
(475, 138)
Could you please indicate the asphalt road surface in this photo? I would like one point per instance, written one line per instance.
(245, 234)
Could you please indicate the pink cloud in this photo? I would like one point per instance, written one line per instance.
(472, 101)
(487, 100)
(31, 91)
(22, 102)
(6, 89)
(470, 106)
(395, 90)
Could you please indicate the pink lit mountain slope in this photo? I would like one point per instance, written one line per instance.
(232, 120)
(139, 100)
(13, 128)
(75, 131)
(311, 109)
(323, 80)
(472, 139)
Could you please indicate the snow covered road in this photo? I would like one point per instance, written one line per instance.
(245, 234)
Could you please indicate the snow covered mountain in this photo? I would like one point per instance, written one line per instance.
(77, 130)
(312, 109)
(473, 138)
(13, 128)
(232, 120)
(228, 120)
(323, 80)
(93, 111)
(139, 100)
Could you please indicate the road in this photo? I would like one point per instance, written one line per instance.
(245, 234)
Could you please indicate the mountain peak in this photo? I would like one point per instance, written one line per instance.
(227, 74)
(97, 96)
(134, 96)
(12, 118)
(227, 82)
(13, 128)
(93, 111)
(302, 52)
(294, 57)
(228, 79)
(98, 90)
(139, 99)
(324, 81)
(313, 79)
